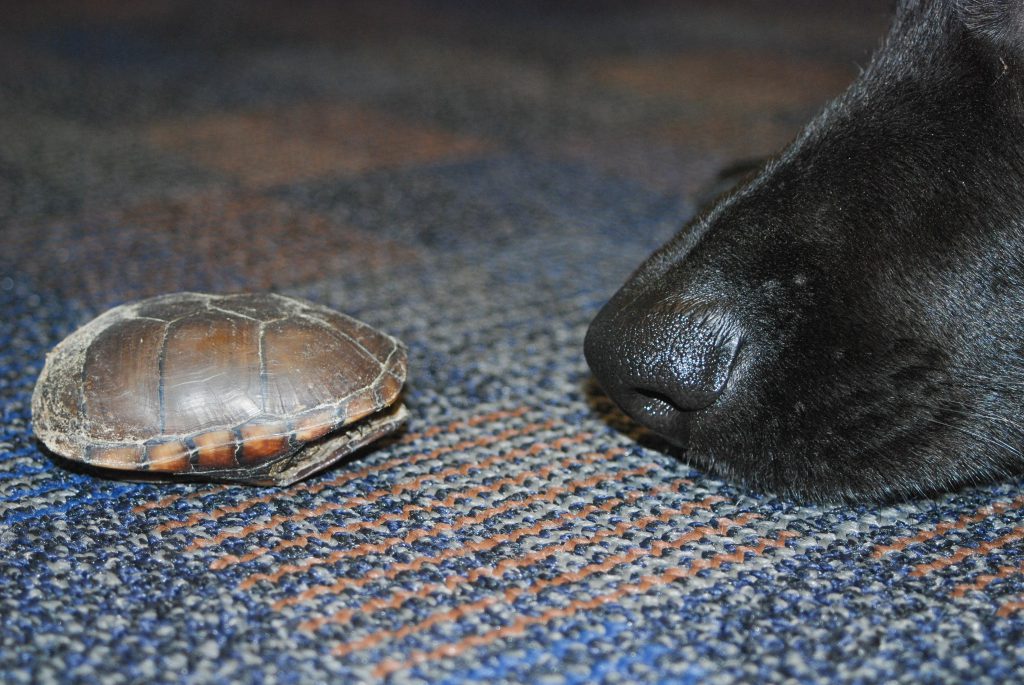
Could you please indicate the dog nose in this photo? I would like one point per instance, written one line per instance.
(660, 361)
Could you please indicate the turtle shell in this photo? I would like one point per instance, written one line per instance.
(257, 388)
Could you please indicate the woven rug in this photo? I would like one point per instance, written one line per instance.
(477, 179)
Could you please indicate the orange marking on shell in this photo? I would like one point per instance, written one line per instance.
(315, 425)
(216, 449)
(360, 406)
(170, 457)
(389, 388)
(127, 457)
(339, 479)
(262, 441)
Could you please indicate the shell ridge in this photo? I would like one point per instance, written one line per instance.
(391, 368)
(229, 312)
(124, 311)
(161, 360)
(374, 386)
(261, 354)
(385, 364)
(387, 367)
(131, 310)
(83, 409)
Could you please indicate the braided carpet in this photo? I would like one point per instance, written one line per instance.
(476, 178)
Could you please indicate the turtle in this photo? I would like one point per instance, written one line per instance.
(255, 388)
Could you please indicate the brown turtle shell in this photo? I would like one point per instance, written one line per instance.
(257, 388)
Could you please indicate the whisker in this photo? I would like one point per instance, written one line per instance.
(985, 439)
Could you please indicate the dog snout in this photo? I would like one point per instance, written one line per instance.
(662, 361)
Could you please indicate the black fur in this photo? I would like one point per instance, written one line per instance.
(850, 323)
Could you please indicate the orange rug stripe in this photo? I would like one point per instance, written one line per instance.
(483, 545)
(902, 543)
(513, 593)
(1010, 608)
(519, 626)
(328, 533)
(412, 536)
(455, 552)
(454, 581)
(983, 581)
(477, 546)
(964, 552)
(466, 423)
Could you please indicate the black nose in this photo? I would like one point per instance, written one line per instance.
(661, 360)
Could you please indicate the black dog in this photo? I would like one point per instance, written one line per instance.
(850, 323)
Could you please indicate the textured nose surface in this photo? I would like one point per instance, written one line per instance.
(659, 361)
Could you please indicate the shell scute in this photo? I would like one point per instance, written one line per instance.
(210, 373)
(340, 365)
(121, 390)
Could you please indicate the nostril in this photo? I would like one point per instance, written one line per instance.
(673, 396)
(656, 404)
(657, 412)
